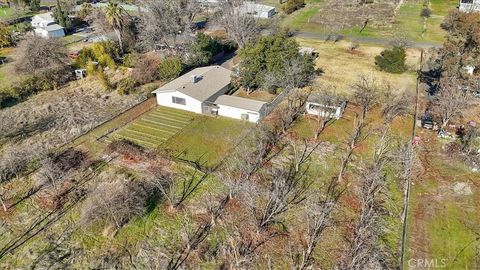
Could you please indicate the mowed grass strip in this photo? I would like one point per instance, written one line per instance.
(156, 127)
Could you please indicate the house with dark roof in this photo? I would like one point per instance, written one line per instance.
(203, 90)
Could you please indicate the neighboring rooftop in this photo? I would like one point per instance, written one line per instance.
(241, 103)
(53, 27)
(316, 96)
(200, 83)
(47, 17)
(254, 8)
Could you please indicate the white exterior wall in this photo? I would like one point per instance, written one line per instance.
(57, 33)
(265, 14)
(165, 99)
(338, 111)
(470, 7)
(44, 33)
(236, 113)
(41, 32)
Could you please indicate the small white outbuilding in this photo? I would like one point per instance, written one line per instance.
(241, 108)
(256, 10)
(53, 30)
(332, 110)
(469, 5)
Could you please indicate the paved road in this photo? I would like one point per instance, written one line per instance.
(370, 40)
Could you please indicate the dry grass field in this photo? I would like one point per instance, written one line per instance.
(341, 67)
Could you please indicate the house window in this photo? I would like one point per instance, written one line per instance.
(178, 100)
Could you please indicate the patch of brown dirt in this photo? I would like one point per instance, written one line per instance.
(356, 53)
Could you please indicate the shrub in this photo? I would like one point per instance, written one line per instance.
(115, 200)
(129, 60)
(293, 5)
(426, 13)
(104, 53)
(127, 86)
(170, 68)
(392, 61)
(6, 36)
(146, 68)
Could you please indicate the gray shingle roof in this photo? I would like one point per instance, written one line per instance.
(241, 103)
(211, 80)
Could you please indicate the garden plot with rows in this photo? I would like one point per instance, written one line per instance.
(155, 127)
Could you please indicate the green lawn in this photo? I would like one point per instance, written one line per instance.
(156, 127)
(207, 139)
(184, 134)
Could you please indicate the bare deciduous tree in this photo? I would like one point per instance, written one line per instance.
(357, 136)
(366, 93)
(318, 218)
(396, 105)
(240, 26)
(286, 114)
(116, 199)
(163, 22)
(13, 161)
(327, 100)
(56, 167)
(43, 57)
(451, 100)
(363, 252)
(287, 189)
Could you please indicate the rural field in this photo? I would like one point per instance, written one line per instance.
(342, 66)
(394, 21)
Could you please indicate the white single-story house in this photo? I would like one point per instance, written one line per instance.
(195, 91)
(469, 5)
(313, 107)
(256, 10)
(53, 30)
(203, 90)
(44, 25)
(241, 108)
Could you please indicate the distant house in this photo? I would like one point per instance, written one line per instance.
(313, 107)
(203, 90)
(256, 10)
(44, 25)
(469, 5)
